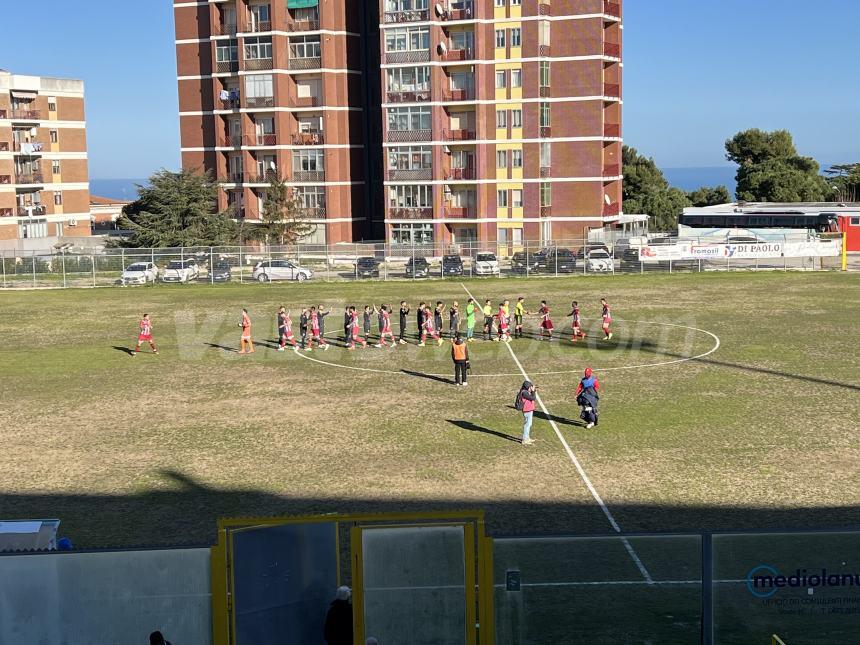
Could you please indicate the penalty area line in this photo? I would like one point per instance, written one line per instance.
(603, 507)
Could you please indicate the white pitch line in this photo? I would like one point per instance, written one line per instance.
(579, 468)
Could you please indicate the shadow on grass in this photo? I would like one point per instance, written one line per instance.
(429, 377)
(471, 427)
(125, 350)
(224, 347)
(551, 417)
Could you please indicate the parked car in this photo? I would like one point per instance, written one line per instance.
(182, 271)
(599, 261)
(140, 273)
(417, 268)
(524, 262)
(486, 264)
(366, 267)
(269, 270)
(452, 265)
(219, 271)
(557, 260)
(583, 252)
(630, 258)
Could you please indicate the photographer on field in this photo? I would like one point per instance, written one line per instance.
(525, 403)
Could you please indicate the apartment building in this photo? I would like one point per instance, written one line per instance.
(44, 185)
(277, 85)
(501, 118)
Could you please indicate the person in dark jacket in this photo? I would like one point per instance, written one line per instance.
(404, 312)
(526, 404)
(157, 638)
(437, 316)
(347, 331)
(338, 619)
(419, 317)
(587, 397)
(460, 356)
(304, 319)
(321, 314)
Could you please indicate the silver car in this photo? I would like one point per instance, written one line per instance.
(269, 270)
(140, 273)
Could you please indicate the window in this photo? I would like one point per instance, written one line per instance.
(408, 79)
(407, 39)
(516, 78)
(544, 115)
(544, 73)
(310, 196)
(855, 221)
(545, 154)
(406, 5)
(308, 160)
(55, 166)
(410, 158)
(265, 163)
(502, 234)
(310, 124)
(517, 198)
(502, 198)
(462, 40)
(258, 86)
(305, 47)
(517, 235)
(228, 53)
(258, 48)
(501, 159)
(516, 118)
(501, 118)
(261, 17)
(543, 32)
(500, 37)
(516, 37)
(500, 3)
(545, 194)
(30, 228)
(58, 198)
(409, 118)
(412, 234)
(516, 3)
(52, 104)
(517, 158)
(55, 136)
(419, 196)
(501, 81)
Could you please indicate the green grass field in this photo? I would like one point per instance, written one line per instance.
(761, 433)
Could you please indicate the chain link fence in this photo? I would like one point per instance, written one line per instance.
(195, 265)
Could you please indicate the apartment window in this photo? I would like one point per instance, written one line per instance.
(406, 5)
(258, 86)
(55, 136)
(412, 234)
(55, 166)
(308, 160)
(545, 194)
(516, 118)
(420, 196)
(545, 154)
(52, 104)
(462, 40)
(305, 47)
(500, 37)
(516, 3)
(544, 115)
(544, 73)
(261, 17)
(501, 118)
(266, 163)
(310, 124)
(516, 37)
(502, 198)
(501, 80)
(502, 235)
(310, 196)
(407, 39)
(263, 126)
(409, 118)
(516, 78)
(543, 32)
(517, 235)
(58, 198)
(517, 158)
(410, 158)
(228, 53)
(517, 198)
(408, 79)
(501, 159)
(30, 228)
(258, 48)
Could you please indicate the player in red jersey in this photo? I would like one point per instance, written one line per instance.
(546, 325)
(577, 322)
(145, 335)
(607, 319)
(385, 327)
(316, 329)
(354, 327)
(504, 322)
(246, 341)
(429, 329)
(285, 329)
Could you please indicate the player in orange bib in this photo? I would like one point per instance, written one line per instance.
(246, 341)
(145, 335)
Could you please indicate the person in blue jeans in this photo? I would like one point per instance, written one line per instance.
(526, 405)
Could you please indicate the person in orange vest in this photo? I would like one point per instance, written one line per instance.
(460, 356)
(245, 324)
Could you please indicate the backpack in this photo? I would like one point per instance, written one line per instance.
(518, 402)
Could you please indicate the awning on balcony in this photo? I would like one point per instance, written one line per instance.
(302, 4)
(24, 95)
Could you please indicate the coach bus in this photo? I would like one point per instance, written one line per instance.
(818, 222)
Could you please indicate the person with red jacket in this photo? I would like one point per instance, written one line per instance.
(587, 396)
(526, 404)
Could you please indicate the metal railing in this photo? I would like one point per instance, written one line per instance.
(259, 101)
(30, 178)
(456, 174)
(309, 175)
(612, 50)
(223, 66)
(305, 63)
(410, 96)
(266, 139)
(411, 174)
(256, 64)
(462, 94)
(405, 136)
(612, 90)
(416, 15)
(308, 138)
(303, 25)
(458, 135)
(612, 9)
(416, 56)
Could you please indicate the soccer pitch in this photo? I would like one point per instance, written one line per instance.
(730, 401)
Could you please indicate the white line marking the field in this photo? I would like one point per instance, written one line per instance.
(579, 468)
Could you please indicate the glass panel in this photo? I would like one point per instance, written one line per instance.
(414, 584)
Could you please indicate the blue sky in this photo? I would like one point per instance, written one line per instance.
(695, 72)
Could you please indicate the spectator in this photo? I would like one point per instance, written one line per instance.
(338, 620)
(460, 356)
(587, 397)
(526, 404)
(156, 638)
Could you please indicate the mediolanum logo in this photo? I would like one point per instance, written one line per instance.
(763, 581)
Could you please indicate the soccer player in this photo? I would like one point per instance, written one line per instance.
(404, 312)
(546, 325)
(285, 329)
(145, 335)
(347, 325)
(506, 305)
(437, 316)
(607, 319)
(519, 314)
(316, 329)
(385, 327)
(577, 322)
(304, 319)
(504, 336)
(419, 317)
(471, 308)
(488, 319)
(429, 329)
(246, 341)
(368, 313)
(454, 319)
(355, 326)
(321, 314)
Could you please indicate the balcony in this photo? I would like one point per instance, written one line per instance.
(255, 64)
(4, 146)
(417, 15)
(459, 174)
(463, 94)
(308, 138)
(458, 212)
(416, 56)
(306, 101)
(544, 91)
(612, 9)
(611, 170)
(545, 171)
(266, 139)
(235, 141)
(404, 136)
(543, 50)
(612, 130)
(303, 25)
(36, 210)
(410, 213)
(5, 179)
(612, 50)
(226, 66)
(545, 132)
(226, 29)
(545, 211)
(409, 174)
(259, 26)
(30, 178)
(6, 212)
(417, 96)
(544, 8)
(27, 147)
(260, 101)
(458, 135)
(314, 212)
(235, 178)
(305, 63)
(612, 90)
(26, 115)
(3, 114)
(458, 54)
(309, 175)
(610, 210)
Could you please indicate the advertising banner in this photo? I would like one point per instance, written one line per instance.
(695, 250)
